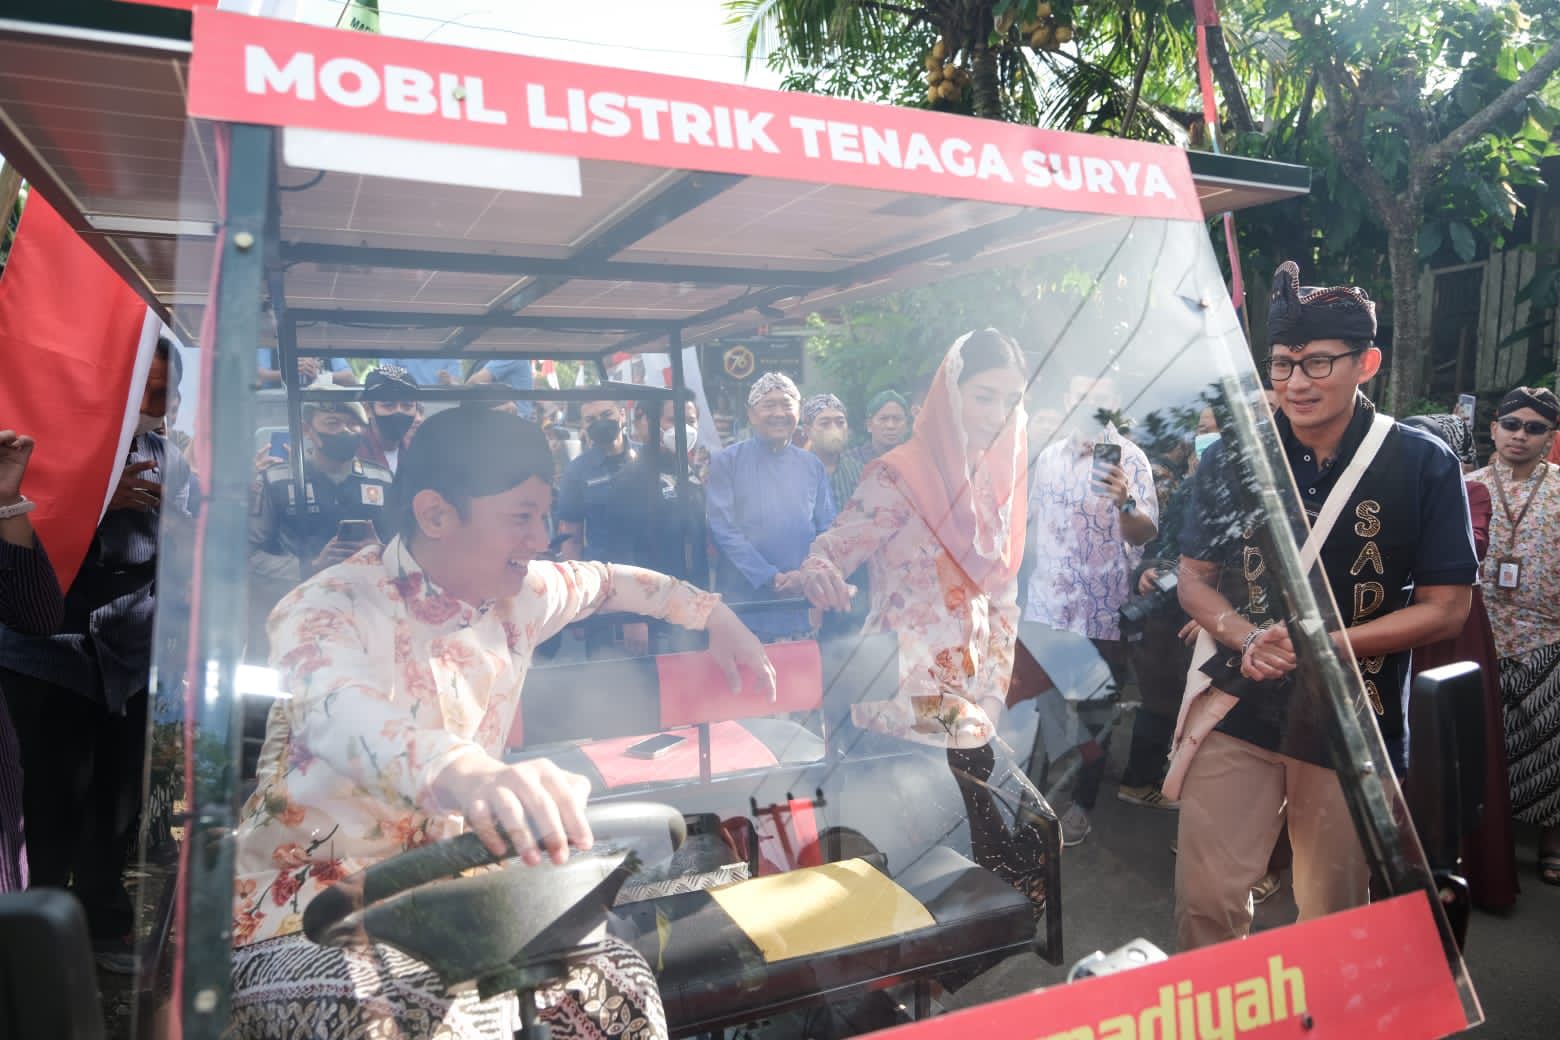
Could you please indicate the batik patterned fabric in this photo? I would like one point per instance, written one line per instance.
(289, 987)
(389, 679)
(1526, 618)
(1530, 693)
(955, 644)
(1526, 625)
(1082, 565)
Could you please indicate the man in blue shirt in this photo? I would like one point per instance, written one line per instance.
(429, 371)
(517, 374)
(268, 367)
(1400, 563)
(767, 500)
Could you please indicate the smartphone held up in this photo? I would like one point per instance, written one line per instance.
(1106, 458)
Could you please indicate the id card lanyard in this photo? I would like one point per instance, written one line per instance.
(1508, 568)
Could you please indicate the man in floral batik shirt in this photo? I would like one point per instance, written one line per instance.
(403, 668)
(1089, 522)
(1522, 588)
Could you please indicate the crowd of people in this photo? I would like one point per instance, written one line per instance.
(1049, 561)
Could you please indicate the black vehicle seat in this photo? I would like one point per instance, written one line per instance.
(711, 971)
(48, 985)
(714, 973)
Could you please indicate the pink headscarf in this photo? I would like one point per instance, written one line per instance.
(978, 518)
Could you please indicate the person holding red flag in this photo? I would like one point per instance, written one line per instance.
(79, 697)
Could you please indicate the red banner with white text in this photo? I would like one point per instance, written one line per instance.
(277, 73)
(1374, 972)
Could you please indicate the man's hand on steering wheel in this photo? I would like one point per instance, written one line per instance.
(526, 806)
(735, 648)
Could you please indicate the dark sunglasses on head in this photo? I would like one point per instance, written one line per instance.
(1533, 427)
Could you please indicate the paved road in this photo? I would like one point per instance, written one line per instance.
(1118, 885)
(1514, 958)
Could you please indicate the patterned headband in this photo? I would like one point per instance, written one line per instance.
(768, 383)
(818, 404)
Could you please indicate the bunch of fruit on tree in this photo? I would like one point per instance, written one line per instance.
(947, 77)
(1044, 32)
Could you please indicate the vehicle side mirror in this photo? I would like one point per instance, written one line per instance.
(1445, 784)
(1445, 787)
(48, 986)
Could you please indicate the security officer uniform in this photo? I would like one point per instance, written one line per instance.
(594, 492)
(591, 493)
(288, 529)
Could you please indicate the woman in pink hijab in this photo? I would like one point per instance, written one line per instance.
(939, 522)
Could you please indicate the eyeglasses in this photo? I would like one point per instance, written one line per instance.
(1533, 428)
(1317, 366)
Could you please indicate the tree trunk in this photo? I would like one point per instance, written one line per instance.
(1406, 381)
(1138, 74)
(1229, 84)
(983, 81)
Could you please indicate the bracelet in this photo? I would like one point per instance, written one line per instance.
(18, 508)
(1251, 637)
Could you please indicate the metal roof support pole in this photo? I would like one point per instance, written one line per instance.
(287, 361)
(674, 346)
(221, 566)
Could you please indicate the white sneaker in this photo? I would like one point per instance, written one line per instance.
(1075, 826)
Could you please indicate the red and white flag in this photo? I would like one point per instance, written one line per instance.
(77, 343)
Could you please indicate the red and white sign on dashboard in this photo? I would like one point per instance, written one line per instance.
(254, 70)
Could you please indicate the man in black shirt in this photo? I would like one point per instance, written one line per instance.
(1400, 563)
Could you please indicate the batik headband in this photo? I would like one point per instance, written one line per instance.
(1298, 314)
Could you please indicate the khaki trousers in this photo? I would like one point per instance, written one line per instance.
(1231, 814)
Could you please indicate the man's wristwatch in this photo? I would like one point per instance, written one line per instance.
(1128, 507)
(18, 508)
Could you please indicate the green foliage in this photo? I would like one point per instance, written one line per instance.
(1361, 91)
(1050, 308)
(898, 342)
(873, 51)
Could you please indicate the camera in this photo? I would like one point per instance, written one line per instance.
(1136, 611)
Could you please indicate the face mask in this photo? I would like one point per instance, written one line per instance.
(147, 423)
(669, 437)
(831, 441)
(1203, 441)
(393, 427)
(338, 447)
(603, 432)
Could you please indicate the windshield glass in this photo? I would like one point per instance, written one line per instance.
(901, 596)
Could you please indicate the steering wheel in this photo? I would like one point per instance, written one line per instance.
(491, 925)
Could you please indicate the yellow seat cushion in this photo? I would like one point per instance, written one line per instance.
(818, 909)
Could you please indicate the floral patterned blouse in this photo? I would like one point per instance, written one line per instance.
(389, 680)
(1526, 618)
(1082, 564)
(955, 644)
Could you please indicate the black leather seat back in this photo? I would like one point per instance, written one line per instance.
(48, 987)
